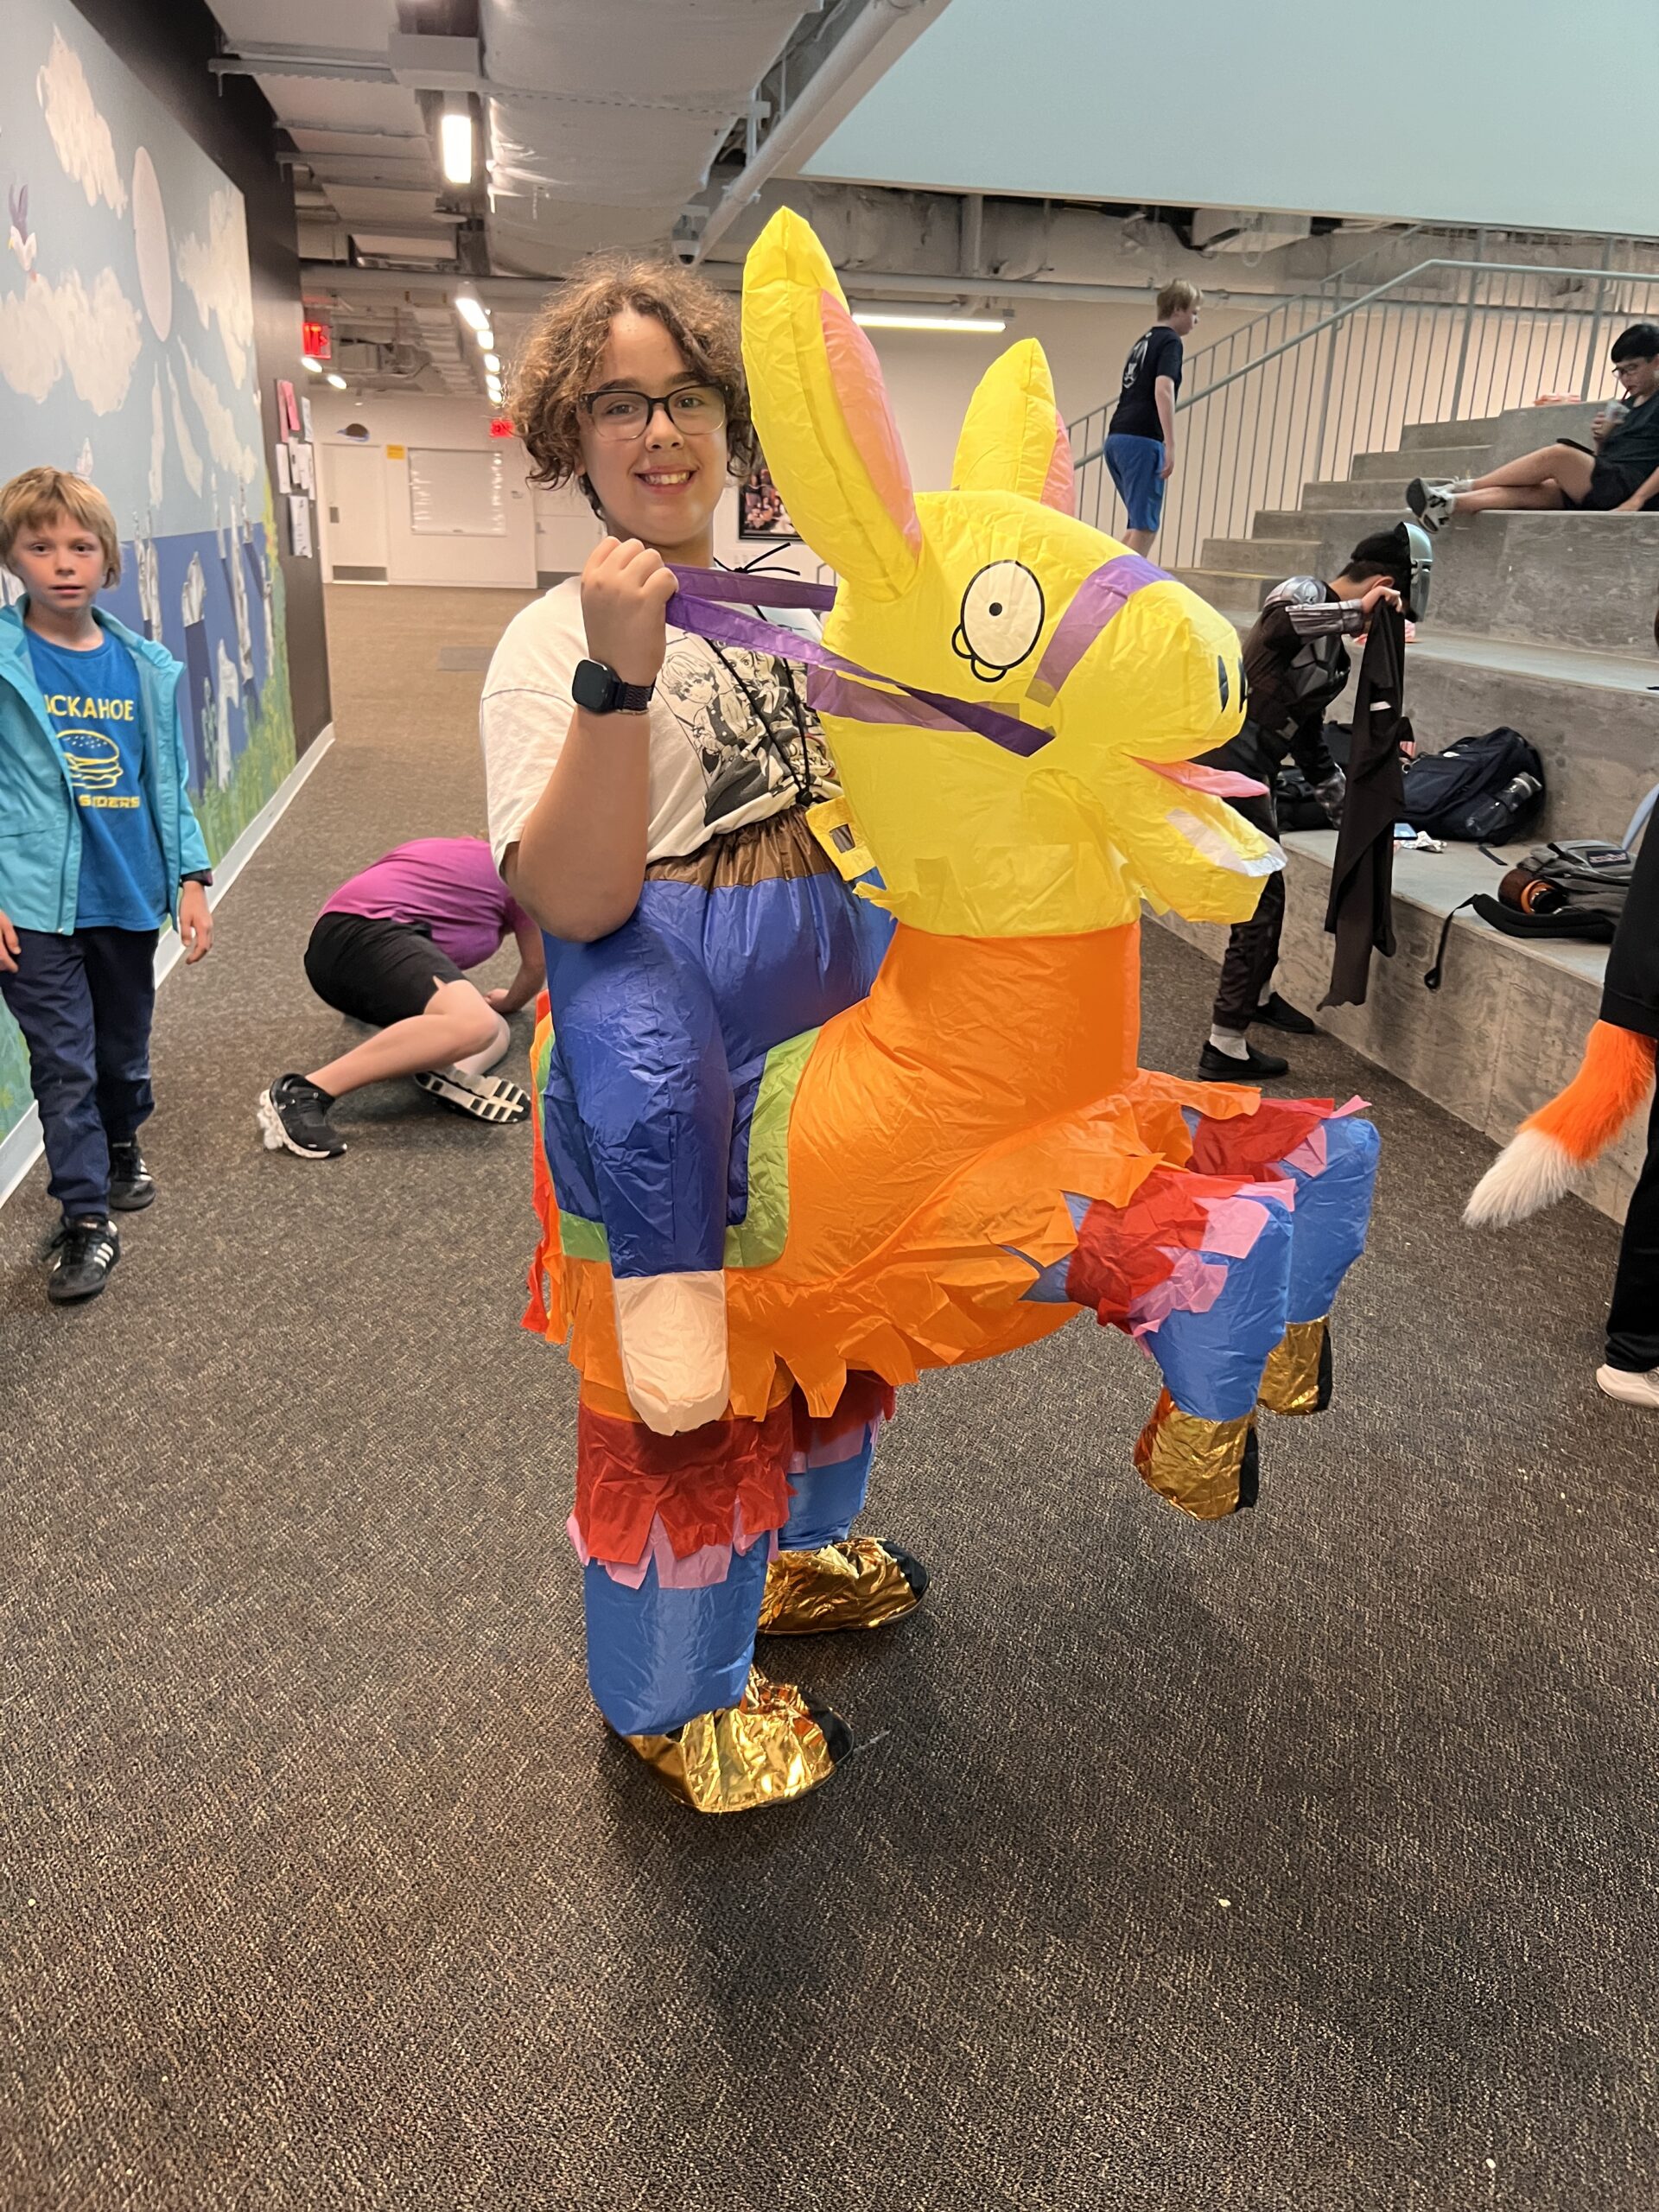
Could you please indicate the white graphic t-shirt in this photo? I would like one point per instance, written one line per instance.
(732, 738)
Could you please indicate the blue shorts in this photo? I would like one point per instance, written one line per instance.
(1134, 463)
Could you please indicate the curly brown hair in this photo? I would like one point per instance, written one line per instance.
(561, 356)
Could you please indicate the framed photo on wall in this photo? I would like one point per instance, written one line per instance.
(760, 510)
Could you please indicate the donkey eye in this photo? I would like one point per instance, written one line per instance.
(1002, 617)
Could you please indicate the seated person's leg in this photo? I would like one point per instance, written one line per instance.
(1554, 476)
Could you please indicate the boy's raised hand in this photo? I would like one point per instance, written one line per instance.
(625, 588)
(10, 951)
(195, 924)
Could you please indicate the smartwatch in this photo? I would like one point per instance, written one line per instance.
(602, 691)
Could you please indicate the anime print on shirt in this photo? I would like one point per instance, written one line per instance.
(750, 732)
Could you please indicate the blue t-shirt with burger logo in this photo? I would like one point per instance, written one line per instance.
(92, 704)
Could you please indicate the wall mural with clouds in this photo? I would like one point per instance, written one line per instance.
(126, 354)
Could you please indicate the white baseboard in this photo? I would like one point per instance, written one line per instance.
(20, 1147)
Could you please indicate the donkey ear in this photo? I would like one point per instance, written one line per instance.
(1013, 439)
(822, 411)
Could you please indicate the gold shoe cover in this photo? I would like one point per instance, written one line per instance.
(858, 1583)
(1297, 1377)
(763, 1751)
(1206, 1468)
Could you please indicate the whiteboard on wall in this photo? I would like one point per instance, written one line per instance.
(457, 494)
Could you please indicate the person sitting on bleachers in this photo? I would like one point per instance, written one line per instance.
(1621, 476)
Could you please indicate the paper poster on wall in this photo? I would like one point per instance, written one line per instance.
(305, 419)
(454, 494)
(301, 469)
(287, 412)
(285, 474)
(299, 527)
(760, 510)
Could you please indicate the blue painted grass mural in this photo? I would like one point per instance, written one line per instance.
(126, 354)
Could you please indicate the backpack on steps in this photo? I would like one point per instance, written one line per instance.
(1570, 887)
(1482, 790)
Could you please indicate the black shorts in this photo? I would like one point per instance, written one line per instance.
(377, 972)
(1609, 488)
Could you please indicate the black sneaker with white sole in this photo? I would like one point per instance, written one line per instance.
(294, 1117)
(1255, 1067)
(1432, 504)
(131, 1184)
(82, 1255)
(482, 1097)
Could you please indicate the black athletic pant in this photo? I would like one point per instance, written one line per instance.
(1252, 946)
(1633, 1318)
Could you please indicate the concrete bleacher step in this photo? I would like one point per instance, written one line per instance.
(1480, 431)
(1235, 594)
(1504, 1033)
(1445, 461)
(1251, 555)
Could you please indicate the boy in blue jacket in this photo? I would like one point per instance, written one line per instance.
(98, 845)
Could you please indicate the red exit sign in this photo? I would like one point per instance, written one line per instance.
(501, 428)
(314, 341)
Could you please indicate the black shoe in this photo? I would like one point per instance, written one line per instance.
(294, 1117)
(83, 1252)
(1278, 1014)
(131, 1184)
(1255, 1067)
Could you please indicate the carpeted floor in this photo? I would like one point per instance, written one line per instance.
(1306, 1861)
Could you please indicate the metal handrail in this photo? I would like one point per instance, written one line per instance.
(1234, 456)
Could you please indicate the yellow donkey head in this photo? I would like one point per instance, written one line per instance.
(1028, 780)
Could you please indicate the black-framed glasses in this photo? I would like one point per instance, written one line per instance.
(622, 414)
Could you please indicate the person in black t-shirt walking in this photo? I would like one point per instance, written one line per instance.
(1621, 476)
(1141, 436)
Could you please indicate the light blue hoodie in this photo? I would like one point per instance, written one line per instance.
(40, 822)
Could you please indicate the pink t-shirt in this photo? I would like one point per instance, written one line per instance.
(449, 883)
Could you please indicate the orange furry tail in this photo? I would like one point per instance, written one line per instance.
(1543, 1160)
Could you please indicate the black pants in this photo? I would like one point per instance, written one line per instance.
(84, 1003)
(1633, 1318)
(1252, 946)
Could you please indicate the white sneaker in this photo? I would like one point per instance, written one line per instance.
(1434, 504)
(1629, 1390)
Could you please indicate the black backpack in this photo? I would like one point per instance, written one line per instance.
(1573, 889)
(1482, 790)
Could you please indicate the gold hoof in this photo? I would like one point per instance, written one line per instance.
(772, 1747)
(858, 1583)
(1206, 1468)
(1297, 1377)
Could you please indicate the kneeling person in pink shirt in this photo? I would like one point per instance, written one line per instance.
(388, 949)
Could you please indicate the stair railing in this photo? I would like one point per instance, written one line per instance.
(1445, 341)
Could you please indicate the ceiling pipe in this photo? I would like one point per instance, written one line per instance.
(859, 57)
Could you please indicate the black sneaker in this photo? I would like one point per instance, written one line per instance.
(1278, 1014)
(1255, 1067)
(294, 1117)
(131, 1184)
(83, 1252)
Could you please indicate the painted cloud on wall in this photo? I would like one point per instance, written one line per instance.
(214, 271)
(157, 443)
(225, 447)
(48, 327)
(150, 244)
(187, 454)
(79, 132)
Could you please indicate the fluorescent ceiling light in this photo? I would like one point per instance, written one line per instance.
(455, 144)
(492, 364)
(871, 320)
(486, 337)
(338, 382)
(469, 309)
(311, 363)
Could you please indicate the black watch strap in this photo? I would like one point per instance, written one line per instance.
(201, 875)
(600, 690)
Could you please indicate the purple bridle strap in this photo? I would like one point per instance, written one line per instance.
(1097, 599)
(837, 686)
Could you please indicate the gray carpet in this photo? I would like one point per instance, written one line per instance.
(1303, 1861)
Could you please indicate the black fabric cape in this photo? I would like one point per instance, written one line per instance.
(1630, 998)
(1360, 913)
